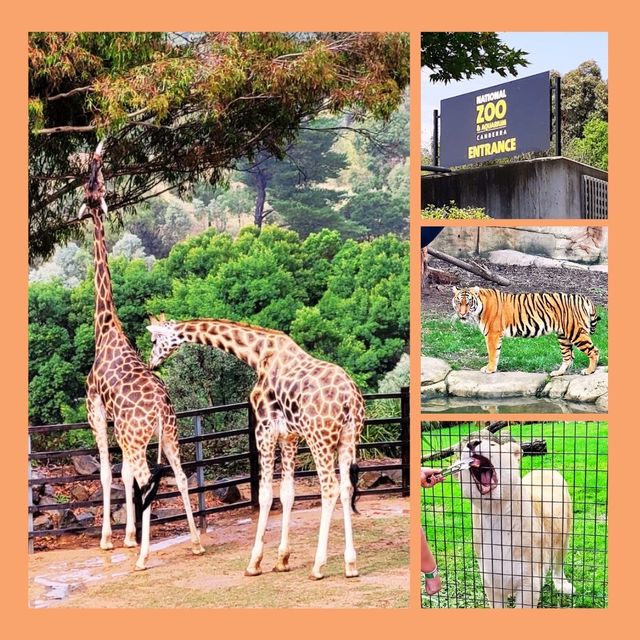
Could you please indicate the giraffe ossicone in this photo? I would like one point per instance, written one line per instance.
(296, 396)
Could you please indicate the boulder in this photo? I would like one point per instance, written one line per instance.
(68, 519)
(119, 515)
(85, 519)
(602, 403)
(85, 465)
(434, 390)
(43, 522)
(433, 370)
(79, 492)
(117, 492)
(170, 480)
(557, 387)
(588, 388)
(228, 495)
(506, 384)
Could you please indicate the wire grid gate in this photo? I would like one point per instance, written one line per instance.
(217, 445)
(578, 451)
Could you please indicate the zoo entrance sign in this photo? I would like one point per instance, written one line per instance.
(497, 122)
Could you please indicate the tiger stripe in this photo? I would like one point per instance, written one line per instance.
(571, 316)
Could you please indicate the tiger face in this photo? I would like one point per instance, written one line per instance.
(467, 304)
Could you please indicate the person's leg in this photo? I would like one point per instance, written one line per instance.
(432, 582)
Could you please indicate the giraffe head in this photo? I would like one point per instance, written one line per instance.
(165, 338)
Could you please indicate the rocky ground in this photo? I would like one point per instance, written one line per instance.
(436, 298)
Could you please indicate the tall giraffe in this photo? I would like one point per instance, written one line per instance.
(120, 386)
(295, 395)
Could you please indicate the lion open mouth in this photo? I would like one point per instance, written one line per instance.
(483, 474)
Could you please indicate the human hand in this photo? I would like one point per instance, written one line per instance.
(430, 477)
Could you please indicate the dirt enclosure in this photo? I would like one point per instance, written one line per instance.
(436, 298)
(90, 577)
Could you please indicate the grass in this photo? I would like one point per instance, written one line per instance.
(579, 451)
(453, 212)
(463, 346)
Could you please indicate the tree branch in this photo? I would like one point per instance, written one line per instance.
(73, 92)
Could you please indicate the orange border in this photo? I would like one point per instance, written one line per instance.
(545, 15)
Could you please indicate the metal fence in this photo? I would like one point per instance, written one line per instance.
(595, 198)
(476, 555)
(206, 437)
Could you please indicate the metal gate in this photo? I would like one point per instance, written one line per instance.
(595, 198)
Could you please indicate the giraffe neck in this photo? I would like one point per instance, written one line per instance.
(105, 318)
(250, 344)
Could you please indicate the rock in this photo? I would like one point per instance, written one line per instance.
(392, 476)
(79, 492)
(433, 370)
(368, 478)
(602, 403)
(46, 501)
(48, 490)
(43, 522)
(434, 390)
(85, 519)
(119, 515)
(166, 512)
(507, 384)
(517, 258)
(117, 492)
(170, 480)
(68, 519)
(557, 387)
(588, 388)
(228, 495)
(85, 465)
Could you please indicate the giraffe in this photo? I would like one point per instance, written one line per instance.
(296, 395)
(120, 386)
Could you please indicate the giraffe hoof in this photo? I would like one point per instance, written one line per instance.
(282, 568)
(130, 542)
(316, 576)
(252, 573)
(198, 551)
(106, 546)
(138, 567)
(350, 570)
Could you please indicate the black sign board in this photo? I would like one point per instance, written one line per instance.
(497, 122)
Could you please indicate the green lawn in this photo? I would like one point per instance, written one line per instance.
(463, 346)
(579, 451)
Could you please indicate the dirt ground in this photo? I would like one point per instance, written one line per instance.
(89, 577)
(436, 298)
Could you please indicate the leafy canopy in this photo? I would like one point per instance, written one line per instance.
(462, 55)
(179, 108)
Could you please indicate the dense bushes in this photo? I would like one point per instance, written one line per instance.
(343, 301)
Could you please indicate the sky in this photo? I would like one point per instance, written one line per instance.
(559, 51)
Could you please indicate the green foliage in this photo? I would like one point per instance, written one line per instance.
(593, 147)
(459, 55)
(160, 100)
(463, 346)
(452, 212)
(341, 300)
(584, 97)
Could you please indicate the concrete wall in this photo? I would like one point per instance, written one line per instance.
(540, 188)
(586, 245)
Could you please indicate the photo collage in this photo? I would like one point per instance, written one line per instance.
(260, 377)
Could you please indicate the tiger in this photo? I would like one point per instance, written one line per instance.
(573, 317)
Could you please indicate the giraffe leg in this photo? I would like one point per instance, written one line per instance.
(137, 461)
(97, 418)
(287, 494)
(171, 453)
(346, 456)
(266, 446)
(329, 487)
(127, 479)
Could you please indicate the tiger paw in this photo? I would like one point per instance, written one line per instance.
(487, 370)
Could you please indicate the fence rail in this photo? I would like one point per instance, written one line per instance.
(210, 465)
(595, 198)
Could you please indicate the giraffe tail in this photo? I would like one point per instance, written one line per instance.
(354, 470)
(144, 496)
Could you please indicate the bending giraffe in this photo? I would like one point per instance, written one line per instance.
(120, 386)
(295, 395)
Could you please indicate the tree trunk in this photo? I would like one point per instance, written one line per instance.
(261, 197)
